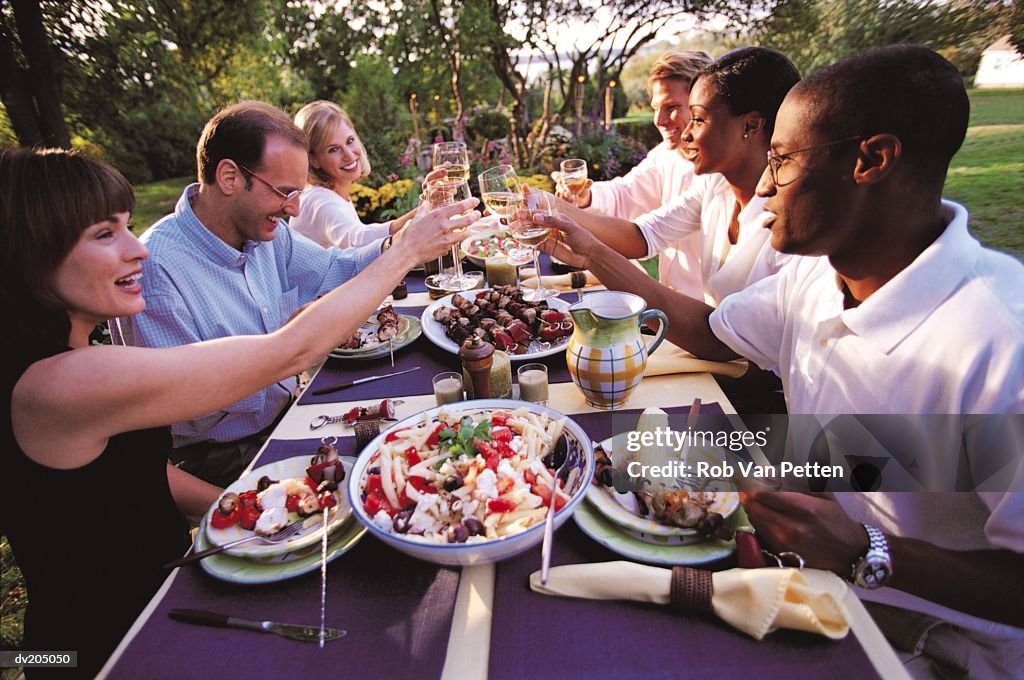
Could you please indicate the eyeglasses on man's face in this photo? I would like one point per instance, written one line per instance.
(783, 173)
(285, 198)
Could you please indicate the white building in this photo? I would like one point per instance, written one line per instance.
(1001, 66)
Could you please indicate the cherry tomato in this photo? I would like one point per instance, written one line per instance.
(434, 439)
(412, 456)
(249, 517)
(393, 435)
(500, 505)
(500, 418)
(327, 499)
(221, 521)
(248, 499)
(292, 503)
(376, 501)
(373, 483)
(501, 434)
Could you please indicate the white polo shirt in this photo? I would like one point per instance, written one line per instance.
(945, 336)
(706, 209)
(656, 181)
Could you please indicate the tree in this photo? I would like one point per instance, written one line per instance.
(30, 76)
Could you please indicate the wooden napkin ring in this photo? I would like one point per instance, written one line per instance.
(691, 590)
(578, 279)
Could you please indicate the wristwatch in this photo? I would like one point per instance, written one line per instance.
(874, 569)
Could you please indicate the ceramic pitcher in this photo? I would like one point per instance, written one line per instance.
(607, 354)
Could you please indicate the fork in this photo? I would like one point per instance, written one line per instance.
(278, 537)
(549, 519)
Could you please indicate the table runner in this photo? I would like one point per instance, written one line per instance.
(397, 611)
(423, 353)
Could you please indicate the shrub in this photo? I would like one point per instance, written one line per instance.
(488, 124)
(375, 205)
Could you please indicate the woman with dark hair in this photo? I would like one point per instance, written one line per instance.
(733, 103)
(87, 500)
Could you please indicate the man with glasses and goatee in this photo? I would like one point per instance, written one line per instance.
(224, 263)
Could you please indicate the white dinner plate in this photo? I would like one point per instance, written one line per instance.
(277, 567)
(409, 329)
(282, 469)
(435, 331)
(480, 260)
(613, 537)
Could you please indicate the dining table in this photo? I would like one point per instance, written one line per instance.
(408, 618)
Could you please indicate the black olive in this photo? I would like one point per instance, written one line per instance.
(327, 486)
(605, 476)
(264, 482)
(373, 471)
(402, 521)
(457, 534)
(474, 526)
(453, 482)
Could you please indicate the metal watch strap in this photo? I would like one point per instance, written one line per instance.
(864, 573)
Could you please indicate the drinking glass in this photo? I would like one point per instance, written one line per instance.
(529, 234)
(574, 175)
(456, 156)
(447, 388)
(441, 192)
(501, 191)
(533, 383)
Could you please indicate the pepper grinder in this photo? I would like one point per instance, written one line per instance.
(477, 357)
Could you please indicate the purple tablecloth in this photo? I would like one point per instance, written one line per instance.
(397, 611)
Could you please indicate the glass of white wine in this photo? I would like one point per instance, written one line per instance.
(574, 176)
(529, 234)
(501, 191)
(456, 156)
(441, 192)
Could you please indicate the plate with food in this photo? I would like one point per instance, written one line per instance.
(276, 567)
(612, 536)
(387, 331)
(277, 495)
(478, 247)
(526, 330)
(686, 509)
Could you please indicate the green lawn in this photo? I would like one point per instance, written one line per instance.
(154, 200)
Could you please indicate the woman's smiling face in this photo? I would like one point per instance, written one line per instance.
(713, 138)
(101, 276)
(342, 156)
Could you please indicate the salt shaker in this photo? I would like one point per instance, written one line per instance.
(477, 357)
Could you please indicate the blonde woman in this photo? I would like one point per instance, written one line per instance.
(337, 160)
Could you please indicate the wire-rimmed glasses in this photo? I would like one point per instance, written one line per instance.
(775, 166)
(285, 198)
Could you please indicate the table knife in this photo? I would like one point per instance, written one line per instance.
(289, 630)
(359, 381)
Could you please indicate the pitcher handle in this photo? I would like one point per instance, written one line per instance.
(662, 328)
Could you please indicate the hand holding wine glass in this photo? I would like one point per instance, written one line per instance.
(574, 177)
(501, 191)
(529, 234)
(442, 192)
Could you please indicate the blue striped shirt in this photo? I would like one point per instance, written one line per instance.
(197, 287)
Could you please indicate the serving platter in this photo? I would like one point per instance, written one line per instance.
(435, 331)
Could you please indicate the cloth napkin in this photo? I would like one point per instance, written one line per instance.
(670, 358)
(527, 278)
(755, 601)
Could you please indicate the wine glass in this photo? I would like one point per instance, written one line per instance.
(501, 191)
(441, 192)
(456, 156)
(529, 234)
(574, 175)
